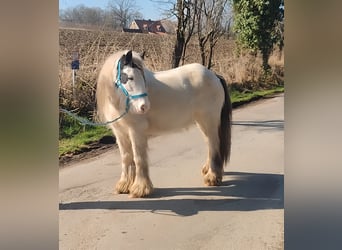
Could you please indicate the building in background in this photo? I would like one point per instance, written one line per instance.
(146, 26)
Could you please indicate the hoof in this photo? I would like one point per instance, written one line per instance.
(212, 179)
(141, 188)
(122, 187)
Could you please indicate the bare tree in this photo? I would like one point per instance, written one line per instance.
(209, 27)
(124, 11)
(191, 24)
(180, 33)
(83, 15)
(209, 19)
(185, 11)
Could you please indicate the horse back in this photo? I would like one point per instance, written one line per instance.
(176, 96)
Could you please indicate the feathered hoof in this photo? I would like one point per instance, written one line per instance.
(212, 179)
(122, 187)
(141, 188)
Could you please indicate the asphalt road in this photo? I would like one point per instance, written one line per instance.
(246, 212)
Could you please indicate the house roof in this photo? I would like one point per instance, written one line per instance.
(152, 26)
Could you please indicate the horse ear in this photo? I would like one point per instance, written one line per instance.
(128, 58)
(142, 55)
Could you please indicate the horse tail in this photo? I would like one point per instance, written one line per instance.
(225, 123)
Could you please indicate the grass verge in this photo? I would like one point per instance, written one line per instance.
(238, 98)
(82, 139)
(75, 141)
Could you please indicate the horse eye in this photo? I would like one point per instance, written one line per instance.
(124, 78)
(130, 78)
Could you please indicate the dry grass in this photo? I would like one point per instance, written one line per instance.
(95, 46)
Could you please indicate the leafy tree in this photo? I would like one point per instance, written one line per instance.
(255, 24)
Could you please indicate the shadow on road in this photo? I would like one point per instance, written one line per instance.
(244, 192)
(270, 124)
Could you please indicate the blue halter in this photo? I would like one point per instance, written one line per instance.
(118, 84)
(129, 97)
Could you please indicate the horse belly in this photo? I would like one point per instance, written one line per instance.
(176, 98)
(170, 117)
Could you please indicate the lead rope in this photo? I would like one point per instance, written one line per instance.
(84, 121)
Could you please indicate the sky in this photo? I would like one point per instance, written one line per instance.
(149, 9)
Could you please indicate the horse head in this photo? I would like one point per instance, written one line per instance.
(130, 82)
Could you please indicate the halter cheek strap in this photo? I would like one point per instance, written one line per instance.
(118, 84)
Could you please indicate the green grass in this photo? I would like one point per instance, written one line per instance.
(240, 97)
(73, 137)
(81, 139)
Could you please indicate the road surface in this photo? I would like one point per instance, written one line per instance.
(246, 212)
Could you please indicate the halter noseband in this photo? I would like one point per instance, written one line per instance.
(118, 84)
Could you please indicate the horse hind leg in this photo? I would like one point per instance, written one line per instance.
(212, 170)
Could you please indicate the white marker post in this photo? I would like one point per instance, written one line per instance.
(75, 64)
(73, 83)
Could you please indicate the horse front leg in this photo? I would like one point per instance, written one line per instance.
(142, 185)
(127, 164)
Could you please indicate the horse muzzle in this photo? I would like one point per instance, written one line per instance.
(141, 106)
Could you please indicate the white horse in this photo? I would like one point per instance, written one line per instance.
(144, 103)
